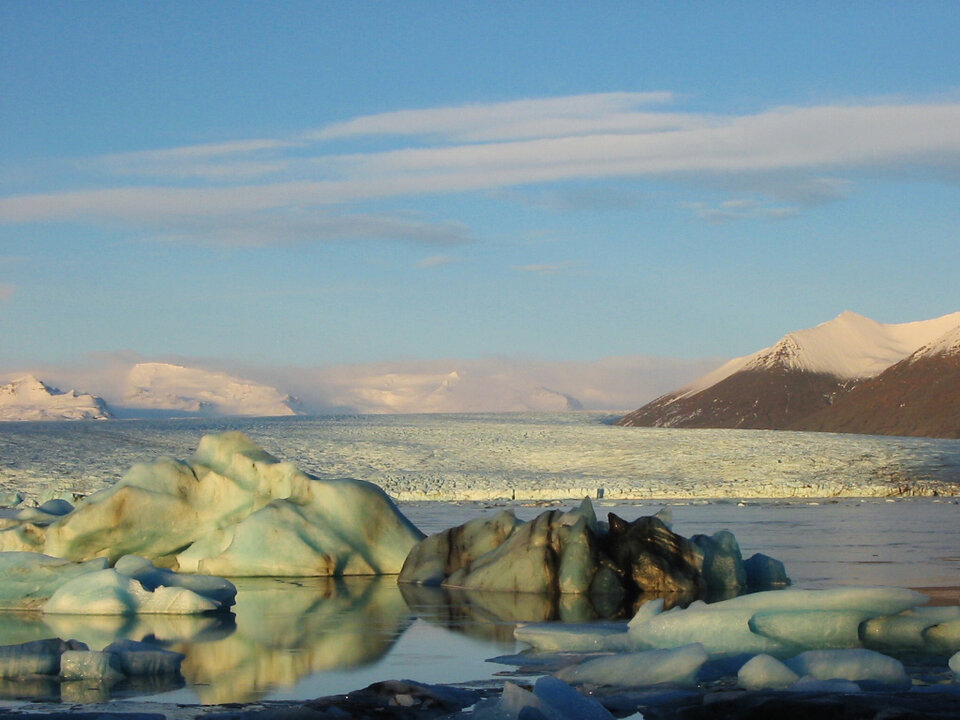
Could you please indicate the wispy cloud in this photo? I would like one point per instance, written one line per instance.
(739, 209)
(534, 118)
(543, 268)
(436, 261)
(791, 156)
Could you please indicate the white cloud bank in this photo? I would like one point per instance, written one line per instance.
(789, 154)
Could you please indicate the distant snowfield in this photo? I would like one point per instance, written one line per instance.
(485, 457)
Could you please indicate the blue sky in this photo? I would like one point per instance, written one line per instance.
(333, 183)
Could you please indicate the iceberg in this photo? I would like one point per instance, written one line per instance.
(570, 553)
(233, 510)
(678, 666)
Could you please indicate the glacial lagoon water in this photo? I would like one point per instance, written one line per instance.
(838, 510)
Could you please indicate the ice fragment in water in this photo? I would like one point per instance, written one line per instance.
(868, 668)
(652, 667)
(905, 630)
(142, 659)
(38, 657)
(944, 636)
(810, 628)
(107, 592)
(954, 664)
(765, 672)
(571, 637)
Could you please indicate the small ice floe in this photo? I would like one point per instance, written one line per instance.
(867, 668)
(72, 663)
(765, 672)
(954, 665)
(234, 510)
(676, 666)
(907, 630)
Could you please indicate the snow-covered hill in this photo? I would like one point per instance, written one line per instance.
(166, 387)
(803, 375)
(29, 398)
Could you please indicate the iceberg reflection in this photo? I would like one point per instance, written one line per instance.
(287, 629)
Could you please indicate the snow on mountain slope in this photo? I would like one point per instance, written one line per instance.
(163, 386)
(946, 344)
(28, 398)
(849, 347)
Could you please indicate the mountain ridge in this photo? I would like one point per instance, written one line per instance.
(825, 378)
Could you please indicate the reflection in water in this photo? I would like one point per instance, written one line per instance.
(285, 629)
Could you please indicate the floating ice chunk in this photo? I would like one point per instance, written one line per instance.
(100, 666)
(551, 699)
(810, 628)
(152, 578)
(869, 600)
(30, 579)
(944, 636)
(721, 630)
(724, 627)
(764, 572)
(866, 667)
(652, 667)
(142, 659)
(765, 672)
(572, 637)
(107, 592)
(558, 695)
(38, 657)
(905, 631)
(954, 664)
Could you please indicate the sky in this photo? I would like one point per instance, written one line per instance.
(321, 183)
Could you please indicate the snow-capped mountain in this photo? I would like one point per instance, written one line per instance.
(803, 376)
(166, 387)
(920, 395)
(29, 398)
(453, 391)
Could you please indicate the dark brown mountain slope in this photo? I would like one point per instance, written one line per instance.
(917, 396)
(773, 398)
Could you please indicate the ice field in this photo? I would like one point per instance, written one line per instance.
(480, 457)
